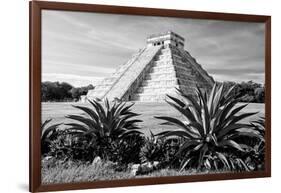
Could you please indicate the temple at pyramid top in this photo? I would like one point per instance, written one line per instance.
(166, 38)
(155, 71)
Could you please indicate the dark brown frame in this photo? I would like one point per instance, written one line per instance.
(35, 8)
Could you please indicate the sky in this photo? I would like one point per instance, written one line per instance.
(82, 48)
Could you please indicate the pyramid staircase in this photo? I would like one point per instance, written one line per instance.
(170, 70)
(154, 72)
(160, 80)
(126, 77)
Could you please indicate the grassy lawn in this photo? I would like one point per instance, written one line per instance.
(68, 173)
(58, 111)
(80, 173)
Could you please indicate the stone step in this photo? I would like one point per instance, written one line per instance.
(184, 73)
(133, 73)
(162, 69)
(169, 49)
(158, 90)
(176, 56)
(166, 51)
(107, 83)
(185, 76)
(167, 56)
(164, 56)
(182, 67)
(162, 63)
(159, 71)
(164, 92)
(148, 98)
(151, 97)
(181, 62)
(169, 68)
(163, 76)
(166, 83)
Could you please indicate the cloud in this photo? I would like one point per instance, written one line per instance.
(94, 44)
(94, 71)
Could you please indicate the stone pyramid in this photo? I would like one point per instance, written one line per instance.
(155, 71)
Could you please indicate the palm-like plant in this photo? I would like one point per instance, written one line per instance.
(103, 125)
(48, 135)
(210, 129)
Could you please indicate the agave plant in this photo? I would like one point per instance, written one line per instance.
(104, 125)
(210, 129)
(48, 135)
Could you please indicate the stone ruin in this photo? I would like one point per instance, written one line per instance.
(155, 71)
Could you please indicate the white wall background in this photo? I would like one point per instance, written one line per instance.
(14, 95)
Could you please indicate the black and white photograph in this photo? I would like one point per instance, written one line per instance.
(133, 96)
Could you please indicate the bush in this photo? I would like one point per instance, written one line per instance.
(65, 146)
(162, 150)
(171, 147)
(153, 149)
(127, 150)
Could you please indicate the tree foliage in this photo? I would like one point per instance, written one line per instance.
(246, 91)
(79, 91)
(56, 91)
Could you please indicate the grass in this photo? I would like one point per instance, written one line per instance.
(70, 172)
(57, 111)
(75, 172)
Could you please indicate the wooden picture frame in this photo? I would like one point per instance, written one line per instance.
(35, 86)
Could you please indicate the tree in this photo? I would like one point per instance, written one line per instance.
(246, 91)
(79, 91)
(259, 95)
(55, 91)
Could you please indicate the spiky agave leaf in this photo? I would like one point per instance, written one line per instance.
(211, 127)
(259, 125)
(48, 134)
